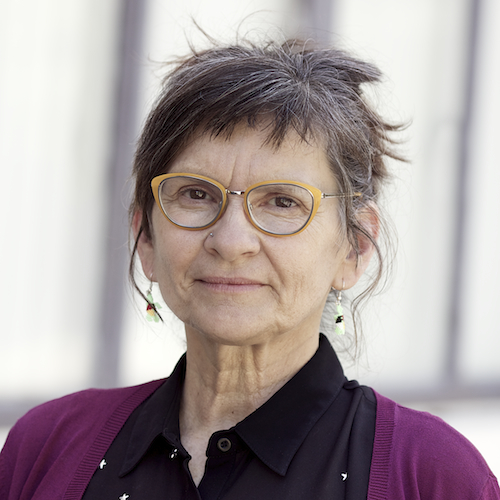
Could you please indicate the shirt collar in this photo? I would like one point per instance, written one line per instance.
(274, 432)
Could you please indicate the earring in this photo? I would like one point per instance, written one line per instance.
(339, 316)
(152, 307)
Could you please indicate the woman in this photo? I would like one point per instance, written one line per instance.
(257, 178)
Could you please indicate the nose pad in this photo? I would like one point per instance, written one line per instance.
(222, 210)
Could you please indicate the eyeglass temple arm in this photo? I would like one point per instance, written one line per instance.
(342, 195)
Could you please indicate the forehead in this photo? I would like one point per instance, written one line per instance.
(246, 156)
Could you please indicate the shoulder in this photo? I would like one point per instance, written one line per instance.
(81, 409)
(418, 455)
(56, 435)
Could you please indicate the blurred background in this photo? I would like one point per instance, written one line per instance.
(76, 81)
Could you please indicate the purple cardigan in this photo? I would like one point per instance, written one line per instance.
(53, 451)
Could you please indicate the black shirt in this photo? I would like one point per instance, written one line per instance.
(312, 440)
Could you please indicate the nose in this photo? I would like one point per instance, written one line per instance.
(233, 235)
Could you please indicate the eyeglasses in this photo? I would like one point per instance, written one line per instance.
(279, 208)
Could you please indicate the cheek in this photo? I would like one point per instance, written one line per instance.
(174, 251)
(171, 267)
(328, 246)
(309, 269)
(172, 255)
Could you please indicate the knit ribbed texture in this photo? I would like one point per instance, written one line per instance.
(382, 447)
(102, 442)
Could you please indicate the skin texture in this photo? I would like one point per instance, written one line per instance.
(251, 303)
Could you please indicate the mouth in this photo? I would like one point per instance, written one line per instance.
(231, 285)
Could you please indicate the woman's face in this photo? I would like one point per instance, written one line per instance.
(241, 286)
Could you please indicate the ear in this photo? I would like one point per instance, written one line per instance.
(145, 247)
(356, 263)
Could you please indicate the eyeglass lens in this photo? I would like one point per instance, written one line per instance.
(276, 208)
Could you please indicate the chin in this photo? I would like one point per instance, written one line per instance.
(231, 332)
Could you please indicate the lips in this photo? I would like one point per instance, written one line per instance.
(230, 281)
(233, 285)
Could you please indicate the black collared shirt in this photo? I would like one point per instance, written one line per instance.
(312, 440)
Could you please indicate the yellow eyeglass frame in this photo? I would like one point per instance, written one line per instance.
(315, 192)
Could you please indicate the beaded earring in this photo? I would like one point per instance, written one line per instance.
(339, 315)
(152, 307)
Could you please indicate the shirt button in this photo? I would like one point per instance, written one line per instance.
(173, 454)
(224, 444)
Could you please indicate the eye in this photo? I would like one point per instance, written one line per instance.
(282, 202)
(198, 194)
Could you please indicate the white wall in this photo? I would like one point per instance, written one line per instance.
(57, 80)
(480, 349)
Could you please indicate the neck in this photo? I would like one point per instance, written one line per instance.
(224, 384)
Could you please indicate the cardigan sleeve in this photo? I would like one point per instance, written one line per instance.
(491, 491)
(52, 452)
(418, 456)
